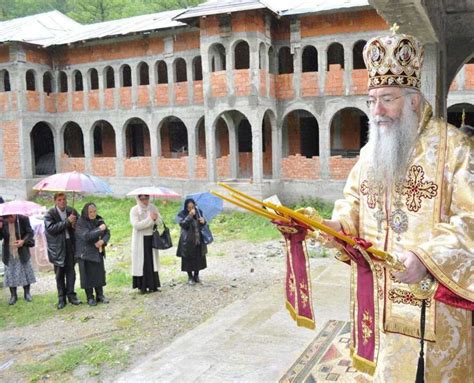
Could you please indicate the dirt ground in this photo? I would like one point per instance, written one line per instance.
(138, 324)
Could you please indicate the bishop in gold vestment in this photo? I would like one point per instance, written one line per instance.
(420, 209)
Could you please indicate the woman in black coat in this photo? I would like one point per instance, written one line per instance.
(191, 248)
(18, 237)
(92, 236)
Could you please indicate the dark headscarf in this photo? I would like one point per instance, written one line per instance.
(1, 200)
(85, 210)
(185, 211)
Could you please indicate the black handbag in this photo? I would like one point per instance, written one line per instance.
(206, 234)
(161, 241)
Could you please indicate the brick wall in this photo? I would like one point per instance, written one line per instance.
(334, 85)
(263, 83)
(181, 93)
(469, 77)
(284, 86)
(209, 25)
(143, 97)
(223, 166)
(198, 93)
(67, 164)
(62, 102)
(248, 22)
(93, 96)
(348, 22)
(104, 166)
(187, 41)
(309, 84)
(4, 53)
(4, 107)
(299, 167)
(242, 86)
(78, 101)
(161, 94)
(218, 84)
(340, 167)
(245, 165)
(143, 46)
(272, 90)
(11, 148)
(126, 98)
(360, 78)
(109, 98)
(32, 101)
(281, 31)
(50, 102)
(201, 167)
(137, 167)
(37, 55)
(173, 167)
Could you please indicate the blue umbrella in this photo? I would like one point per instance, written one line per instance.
(208, 203)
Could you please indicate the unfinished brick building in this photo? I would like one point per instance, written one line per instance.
(274, 101)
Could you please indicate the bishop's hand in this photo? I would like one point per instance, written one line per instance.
(415, 270)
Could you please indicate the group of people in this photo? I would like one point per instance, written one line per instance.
(82, 239)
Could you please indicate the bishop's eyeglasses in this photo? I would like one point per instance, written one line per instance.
(385, 101)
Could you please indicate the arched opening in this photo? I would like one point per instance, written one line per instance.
(109, 77)
(104, 139)
(137, 137)
(261, 56)
(5, 81)
(456, 112)
(143, 74)
(349, 132)
(201, 138)
(300, 134)
(242, 55)
(335, 55)
(30, 80)
(197, 69)
(244, 139)
(174, 138)
(285, 61)
(73, 140)
(42, 145)
(125, 76)
(309, 59)
(93, 79)
(267, 147)
(78, 84)
(180, 70)
(357, 57)
(63, 82)
(222, 137)
(47, 83)
(162, 72)
(272, 65)
(217, 58)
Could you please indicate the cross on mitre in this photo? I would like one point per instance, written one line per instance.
(395, 28)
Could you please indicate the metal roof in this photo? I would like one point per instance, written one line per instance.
(143, 23)
(38, 29)
(279, 7)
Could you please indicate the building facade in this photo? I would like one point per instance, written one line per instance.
(273, 104)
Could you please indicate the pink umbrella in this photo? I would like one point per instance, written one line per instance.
(155, 191)
(74, 182)
(21, 208)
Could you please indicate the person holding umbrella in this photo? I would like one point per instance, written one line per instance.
(145, 262)
(191, 248)
(18, 237)
(92, 235)
(60, 222)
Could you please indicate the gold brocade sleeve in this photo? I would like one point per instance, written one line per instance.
(346, 210)
(449, 254)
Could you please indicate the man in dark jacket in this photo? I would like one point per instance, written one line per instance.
(59, 223)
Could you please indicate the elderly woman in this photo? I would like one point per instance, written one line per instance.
(191, 248)
(145, 261)
(18, 237)
(92, 235)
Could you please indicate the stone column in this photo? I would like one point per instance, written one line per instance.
(210, 146)
(324, 145)
(192, 141)
(153, 147)
(70, 90)
(257, 150)
(276, 151)
(101, 79)
(85, 91)
(120, 145)
(254, 71)
(229, 66)
(322, 66)
(348, 61)
(189, 77)
(295, 46)
(117, 88)
(152, 75)
(171, 81)
(135, 85)
(88, 146)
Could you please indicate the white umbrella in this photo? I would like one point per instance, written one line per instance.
(155, 191)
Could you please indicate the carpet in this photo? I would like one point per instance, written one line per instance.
(327, 358)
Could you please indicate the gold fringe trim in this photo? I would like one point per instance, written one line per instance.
(300, 320)
(398, 327)
(363, 365)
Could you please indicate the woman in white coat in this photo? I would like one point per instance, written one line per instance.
(145, 261)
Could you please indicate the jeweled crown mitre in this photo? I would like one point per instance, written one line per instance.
(394, 60)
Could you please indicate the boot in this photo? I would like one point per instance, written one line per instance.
(99, 292)
(13, 297)
(61, 303)
(74, 300)
(26, 293)
(90, 297)
(196, 277)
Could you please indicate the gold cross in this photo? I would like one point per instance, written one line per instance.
(395, 28)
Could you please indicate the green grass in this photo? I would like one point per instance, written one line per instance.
(93, 353)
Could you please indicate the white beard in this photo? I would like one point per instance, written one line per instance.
(390, 147)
